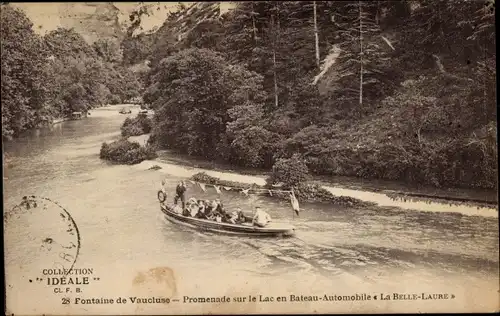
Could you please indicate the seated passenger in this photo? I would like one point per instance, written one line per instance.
(193, 209)
(260, 218)
(214, 207)
(191, 201)
(233, 218)
(219, 209)
(201, 206)
(219, 203)
(177, 209)
(208, 209)
(201, 210)
(241, 216)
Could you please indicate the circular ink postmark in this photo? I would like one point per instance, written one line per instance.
(41, 234)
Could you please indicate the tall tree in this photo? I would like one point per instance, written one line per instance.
(275, 26)
(316, 37)
(196, 88)
(24, 69)
(363, 52)
(360, 54)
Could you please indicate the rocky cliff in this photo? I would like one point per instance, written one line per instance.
(109, 20)
(93, 20)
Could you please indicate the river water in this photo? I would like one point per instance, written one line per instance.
(337, 250)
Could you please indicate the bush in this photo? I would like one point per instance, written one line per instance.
(114, 99)
(205, 178)
(125, 152)
(289, 171)
(131, 130)
(145, 123)
(152, 141)
(137, 126)
(316, 193)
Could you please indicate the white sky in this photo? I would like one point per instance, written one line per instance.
(46, 16)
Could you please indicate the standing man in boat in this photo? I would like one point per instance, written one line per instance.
(260, 218)
(180, 191)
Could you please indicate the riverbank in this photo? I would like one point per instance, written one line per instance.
(487, 197)
(379, 199)
(467, 202)
(60, 120)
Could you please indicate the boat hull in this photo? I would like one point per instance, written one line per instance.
(272, 230)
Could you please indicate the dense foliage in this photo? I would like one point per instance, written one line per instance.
(136, 126)
(24, 71)
(124, 152)
(289, 172)
(400, 90)
(51, 76)
(208, 107)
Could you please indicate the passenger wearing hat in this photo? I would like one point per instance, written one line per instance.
(260, 218)
(201, 210)
(208, 209)
(233, 218)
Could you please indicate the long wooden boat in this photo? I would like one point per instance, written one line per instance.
(125, 111)
(246, 229)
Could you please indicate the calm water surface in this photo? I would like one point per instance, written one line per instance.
(338, 248)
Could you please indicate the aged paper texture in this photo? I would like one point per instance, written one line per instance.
(250, 157)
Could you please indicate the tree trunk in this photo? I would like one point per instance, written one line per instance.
(253, 24)
(360, 56)
(276, 100)
(316, 38)
(276, 34)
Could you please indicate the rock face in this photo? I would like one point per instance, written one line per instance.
(108, 20)
(93, 20)
(196, 13)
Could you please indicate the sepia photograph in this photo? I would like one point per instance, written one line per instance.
(252, 157)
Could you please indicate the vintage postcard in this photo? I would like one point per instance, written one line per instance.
(293, 157)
